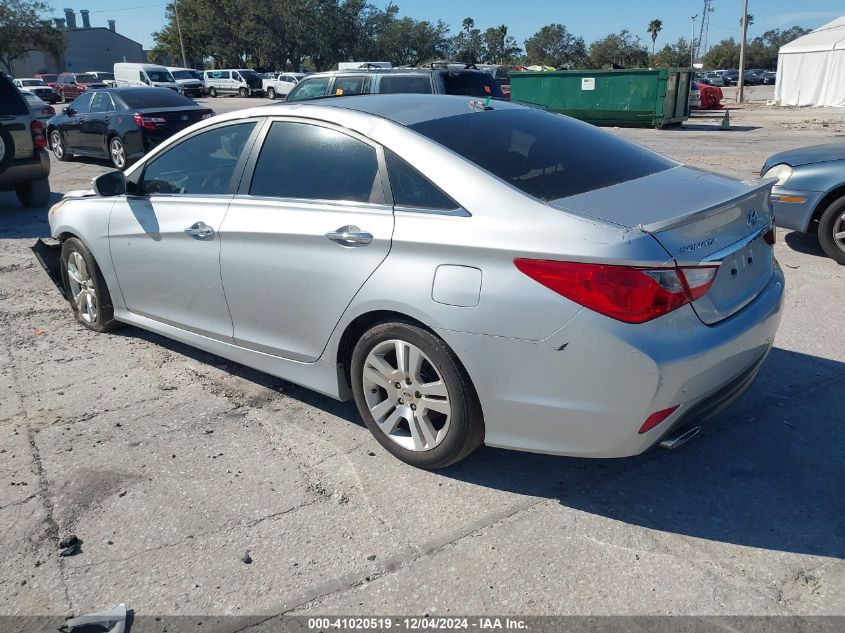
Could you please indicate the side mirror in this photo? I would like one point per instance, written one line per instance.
(68, 111)
(112, 183)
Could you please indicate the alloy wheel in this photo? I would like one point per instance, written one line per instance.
(57, 145)
(118, 153)
(406, 395)
(271, 94)
(82, 290)
(839, 232)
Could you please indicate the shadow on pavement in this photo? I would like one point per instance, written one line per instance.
(804, 243)
(769, 472)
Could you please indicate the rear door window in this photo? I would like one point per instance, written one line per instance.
(405, 84)
(471, 84)
(351, 85)
(11, 101)
(299, 160)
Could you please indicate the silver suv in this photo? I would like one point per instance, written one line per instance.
(24, 162)
(451, 81)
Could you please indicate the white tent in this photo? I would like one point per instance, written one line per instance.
(811, 69)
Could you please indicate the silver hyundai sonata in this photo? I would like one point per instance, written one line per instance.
(469, 272)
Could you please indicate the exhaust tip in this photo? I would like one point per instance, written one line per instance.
(678, 438)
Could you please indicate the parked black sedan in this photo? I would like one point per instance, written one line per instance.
(120, 124)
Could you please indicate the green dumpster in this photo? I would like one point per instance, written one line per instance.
(640, 97)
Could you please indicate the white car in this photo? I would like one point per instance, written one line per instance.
(106, 77)
(694, 96)
(279, 85)
(191, 80)
(36, 87)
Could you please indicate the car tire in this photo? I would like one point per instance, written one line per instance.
(7, 148)
(35, 193)
(243, 93)
(57, 144)
(212, 92)
(85, 288)
(271, 93)
(433, 419)
(117, 153)
(832, 230)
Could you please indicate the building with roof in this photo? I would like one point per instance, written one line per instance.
(87, 48)
(811, 69)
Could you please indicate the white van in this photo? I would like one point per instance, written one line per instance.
(233, 81)
(191, 80)
(126, 74)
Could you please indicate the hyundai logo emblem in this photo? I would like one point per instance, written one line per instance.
(751, 219)
(184, 117)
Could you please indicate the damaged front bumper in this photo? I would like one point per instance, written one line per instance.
(48, 254)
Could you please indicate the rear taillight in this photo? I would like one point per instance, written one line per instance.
(38, 138)
(48, 111)
(148, 122)
(626, 293)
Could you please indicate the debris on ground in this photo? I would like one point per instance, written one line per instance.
(70, 545)
(247, 558)
(112, 620)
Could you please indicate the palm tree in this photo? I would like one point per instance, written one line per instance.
(654, 27)
(750, 20)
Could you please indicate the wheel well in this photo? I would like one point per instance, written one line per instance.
(361, 324)
(823, 204)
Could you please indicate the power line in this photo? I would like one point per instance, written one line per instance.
(143, 6)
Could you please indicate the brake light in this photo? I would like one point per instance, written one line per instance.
(48, 111)
(148, 122)
(626, 293)
(656, 418)
(38, 138)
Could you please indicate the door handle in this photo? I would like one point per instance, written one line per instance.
(350, 235)
(200, 231)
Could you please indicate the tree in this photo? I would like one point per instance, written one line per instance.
(750, 20)
(761, 52)
(22, 31)
(673, 55)
(468, 45)
(618, 50)
(654, 27)
(553, 45)
(500, 48)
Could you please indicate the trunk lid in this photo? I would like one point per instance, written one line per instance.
(176, 119)
(700, 218)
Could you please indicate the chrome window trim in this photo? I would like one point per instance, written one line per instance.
(318, 202)
(460, 212)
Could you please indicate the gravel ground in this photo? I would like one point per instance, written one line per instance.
(170, 464)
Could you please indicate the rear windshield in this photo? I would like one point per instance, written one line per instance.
(49, 78)
(87, 79)
(547, 156)
(403, 84)
(32, 82)
(155, 98)
(477, 84)
(11, 101)
(104, 76)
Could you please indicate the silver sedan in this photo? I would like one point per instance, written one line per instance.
(468, 272)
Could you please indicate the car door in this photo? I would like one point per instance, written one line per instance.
(95, 125)
(71, 127)
(308, 227)
(164, 237)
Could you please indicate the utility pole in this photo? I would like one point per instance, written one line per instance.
(692, 43)
(740, 82)
(179, 29)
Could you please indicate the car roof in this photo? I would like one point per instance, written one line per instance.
(404, 109)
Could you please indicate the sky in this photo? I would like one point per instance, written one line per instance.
(591, 19)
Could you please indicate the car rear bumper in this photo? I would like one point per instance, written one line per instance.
(794, 209)
(26, 170)
(586, 390)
